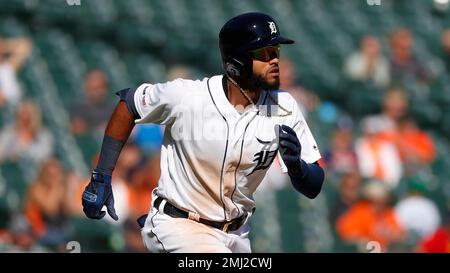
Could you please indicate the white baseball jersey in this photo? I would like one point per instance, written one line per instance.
(213, 157)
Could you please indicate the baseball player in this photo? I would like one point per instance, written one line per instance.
(221, 135)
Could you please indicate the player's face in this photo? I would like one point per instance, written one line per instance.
(266, 71)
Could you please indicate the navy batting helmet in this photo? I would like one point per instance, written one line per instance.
(244, 33)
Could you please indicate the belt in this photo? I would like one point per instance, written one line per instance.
(175, 212)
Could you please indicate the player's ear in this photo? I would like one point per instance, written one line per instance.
(238, 66)
(232, 69)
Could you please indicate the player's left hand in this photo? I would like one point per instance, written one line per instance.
(98, 193)
(290, 147)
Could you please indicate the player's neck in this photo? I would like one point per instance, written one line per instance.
(236, 96)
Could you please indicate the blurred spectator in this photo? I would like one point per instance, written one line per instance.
(341, 157)
(268, 236)
(13, 53)
(143, 180)
(26, 138)
(128, 158)
(372, 219)
(439, 241)
(91, 113)
(445, 44)
(348, 195)
(133, 180)
(121, 200)
(395, 108)
(416, 213)
(306, 100)
(415, 147)
(133, 237)
(148, 137)
(46, 203)
(377, 157)
(179, 71)
(368, 64)
(404, 66)
(74, 182)
(20, 238)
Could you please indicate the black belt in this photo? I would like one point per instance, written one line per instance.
(226, 226)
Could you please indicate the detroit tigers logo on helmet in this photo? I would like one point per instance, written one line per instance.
(273, 27)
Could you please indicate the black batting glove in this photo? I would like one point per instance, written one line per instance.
(98, 193)
(290, 149)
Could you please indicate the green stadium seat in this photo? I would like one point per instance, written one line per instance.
(445, 123)
(4, 206)
(89, 147)
(11, 27)
(440, 92)
(10, 7)
(98, 54)
(425, 113)
(289, 215)
(362, 98)
(4, 213)
(14, 178)
(59, 50)
(145, 68)
(55, 11)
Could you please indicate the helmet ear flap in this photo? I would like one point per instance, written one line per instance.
(238, 68)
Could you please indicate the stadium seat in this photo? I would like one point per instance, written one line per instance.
(289, 215)
(360, 98)
(425, 113)
(11, 27)
(14, 178)
(98, 54)
(145, 68)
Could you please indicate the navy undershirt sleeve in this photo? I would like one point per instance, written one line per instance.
(127, 95)
(309, 183)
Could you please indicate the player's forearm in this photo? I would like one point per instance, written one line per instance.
(116, 134)
(307, 179)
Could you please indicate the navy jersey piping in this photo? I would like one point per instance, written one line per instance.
(225, 153)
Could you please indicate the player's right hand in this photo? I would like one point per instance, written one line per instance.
(98, 193)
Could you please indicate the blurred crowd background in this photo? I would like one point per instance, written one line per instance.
(373, 82)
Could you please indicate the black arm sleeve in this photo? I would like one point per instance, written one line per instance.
(309, 183)
(127, 95)
(109, 153)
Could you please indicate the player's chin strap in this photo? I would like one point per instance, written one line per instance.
(242, 90)
(288, 112)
